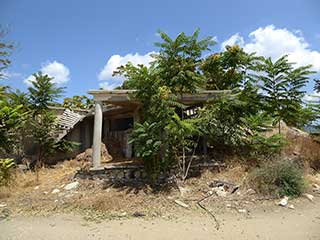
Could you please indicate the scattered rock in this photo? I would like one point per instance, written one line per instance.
(54, 191)
(68, 195)
(123, 214)
(45, 192)
(291, 206)
(36, 187)
(220, 191)
(72, 185)
(56, 200)
(242, 210)
(316, 186)
(309, 197)
(182, 204)
(3, 205)
(138, 214)
(184, 191)
(228, 205)
(283, 202)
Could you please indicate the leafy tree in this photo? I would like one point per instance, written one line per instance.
(317, 85)
(282, 92)
(179, 59)
(78, 102)
(6, 166)
(11, 117)
(229, 69)
(11, 121)
(43, 93)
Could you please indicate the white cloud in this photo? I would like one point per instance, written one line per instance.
(233, 40)
(314, 96)
(58, 71)
(8, 74)
(108, 86)
(116, 61)
(275, 42)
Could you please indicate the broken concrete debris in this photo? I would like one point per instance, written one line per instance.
(222, 188)
(54, 191)
(242, 210)
(219, 191)
(309, 196)
(72, 185)
(182, 204)
(184, 190)
(284, 201)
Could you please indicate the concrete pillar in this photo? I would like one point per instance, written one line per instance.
(97, 132)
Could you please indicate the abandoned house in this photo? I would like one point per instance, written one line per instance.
(112, 120)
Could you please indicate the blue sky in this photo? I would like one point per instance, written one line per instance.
(80, 42)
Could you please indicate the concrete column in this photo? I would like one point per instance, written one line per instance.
(97, 132)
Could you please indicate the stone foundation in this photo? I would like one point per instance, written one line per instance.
(136, 173)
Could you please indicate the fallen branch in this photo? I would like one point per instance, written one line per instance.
(210, 213)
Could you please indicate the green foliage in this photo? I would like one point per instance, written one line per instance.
(282, 91)
(259, 145)
(78, 102)
(281, 178)
(317, 85)
(6, 166)
(221, 121)
(148, 142)
(262, 91)
(43, 92)
(11, 121)
(179, 59)
(229, 69)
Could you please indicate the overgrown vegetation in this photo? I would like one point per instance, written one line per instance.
(27, 117)
(280, 178)
(6, 167)
(256, 93)
(253, 94)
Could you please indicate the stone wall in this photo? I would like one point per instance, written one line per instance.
(134, 173)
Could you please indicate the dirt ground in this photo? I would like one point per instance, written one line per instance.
(270, 222)
(45, 209)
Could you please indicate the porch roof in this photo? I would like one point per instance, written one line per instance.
(125, 97)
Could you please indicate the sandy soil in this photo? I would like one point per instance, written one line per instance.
(264, 222)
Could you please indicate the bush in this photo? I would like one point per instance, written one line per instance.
(6, 175)
(281, 178)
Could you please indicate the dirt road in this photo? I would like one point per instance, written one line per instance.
(272, 223)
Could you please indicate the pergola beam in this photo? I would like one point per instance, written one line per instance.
(126, 97)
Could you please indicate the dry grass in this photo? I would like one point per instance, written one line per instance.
(4, 193)
(27, 195)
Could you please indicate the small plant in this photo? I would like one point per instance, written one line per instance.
(6, 166)
(282, 178)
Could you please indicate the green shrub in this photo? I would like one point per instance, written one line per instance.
(281, 178)
(6, 166)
